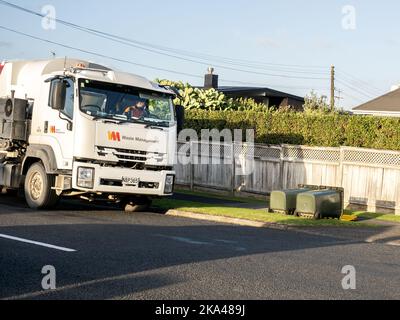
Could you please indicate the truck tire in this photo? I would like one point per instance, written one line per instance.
(38, 188)
(137, 205)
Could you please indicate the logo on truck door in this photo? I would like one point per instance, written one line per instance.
(114, 136)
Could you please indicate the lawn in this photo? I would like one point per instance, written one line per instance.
(250, 214)
(376, 216)
(262, 215)
(222, 196)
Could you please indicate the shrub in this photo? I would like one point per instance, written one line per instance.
(309, 128)
(316, 126)
(211, 99)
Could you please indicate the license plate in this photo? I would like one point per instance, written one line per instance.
(128, 181)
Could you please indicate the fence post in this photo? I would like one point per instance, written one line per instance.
(191, 166)
(281, 178)
(341, 177)
(233, 181)
(341, 167)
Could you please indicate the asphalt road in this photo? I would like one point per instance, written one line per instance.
(152, 256)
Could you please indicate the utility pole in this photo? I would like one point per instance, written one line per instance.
(332, 88)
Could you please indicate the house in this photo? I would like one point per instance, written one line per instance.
(387, 105)
(267, 96)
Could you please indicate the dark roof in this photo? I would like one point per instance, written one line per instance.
(266, 92)
(389, 102)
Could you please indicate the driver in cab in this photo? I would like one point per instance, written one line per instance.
(137, 111)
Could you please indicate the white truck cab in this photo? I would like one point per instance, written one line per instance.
(69, 127)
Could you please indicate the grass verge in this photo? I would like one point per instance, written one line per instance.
(222, 196)
(250, 214)
(376, 216)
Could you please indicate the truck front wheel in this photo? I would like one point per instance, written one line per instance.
(38, 188)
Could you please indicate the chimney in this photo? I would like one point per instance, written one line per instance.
(211, 79)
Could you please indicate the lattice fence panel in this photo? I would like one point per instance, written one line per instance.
(312, 154)
(371, 157)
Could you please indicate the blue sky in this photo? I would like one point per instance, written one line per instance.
(306, 33)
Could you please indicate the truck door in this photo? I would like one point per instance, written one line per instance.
(58, 128)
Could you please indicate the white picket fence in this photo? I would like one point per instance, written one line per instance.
(371, 178)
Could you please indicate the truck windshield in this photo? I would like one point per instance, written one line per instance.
(103, 100)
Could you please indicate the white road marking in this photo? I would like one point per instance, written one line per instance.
(185, 240)
(42, 244)
(230, 242)
(226, 241)
(216, 242)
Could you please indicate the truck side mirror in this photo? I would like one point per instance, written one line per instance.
(58, 92)
(180, 117)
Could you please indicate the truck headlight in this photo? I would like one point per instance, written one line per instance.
(169, 184)
(85, 177)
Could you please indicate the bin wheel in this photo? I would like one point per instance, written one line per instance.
(317, 216)
(291, 212)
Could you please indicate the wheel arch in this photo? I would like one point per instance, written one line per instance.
(43, 154)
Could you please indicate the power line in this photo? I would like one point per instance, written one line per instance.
(121, 60)
(361, 87)
(351, 96)
(275, 85)
(359, 82)
(365, 92)
(138, 64)
(139, 45)
(99, 54)
(358, 79)
(351, 87)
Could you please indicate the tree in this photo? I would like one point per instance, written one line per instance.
(314, 102)
(210, 99)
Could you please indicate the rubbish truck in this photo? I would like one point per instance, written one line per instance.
(73, 128)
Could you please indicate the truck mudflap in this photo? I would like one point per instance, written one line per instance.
(117, 180)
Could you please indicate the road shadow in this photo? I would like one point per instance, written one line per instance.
(117, 259)
(13, 203)
(127, 254)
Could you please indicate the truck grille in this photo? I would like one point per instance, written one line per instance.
(134, 159)
(130, 158)
(124, 155)
(131, 151)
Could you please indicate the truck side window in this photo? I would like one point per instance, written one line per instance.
(69, 100)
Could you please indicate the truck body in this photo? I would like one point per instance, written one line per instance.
(66, 130)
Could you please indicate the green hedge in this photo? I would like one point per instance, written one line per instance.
(308, 128)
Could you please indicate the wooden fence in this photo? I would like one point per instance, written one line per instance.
(371, 178)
